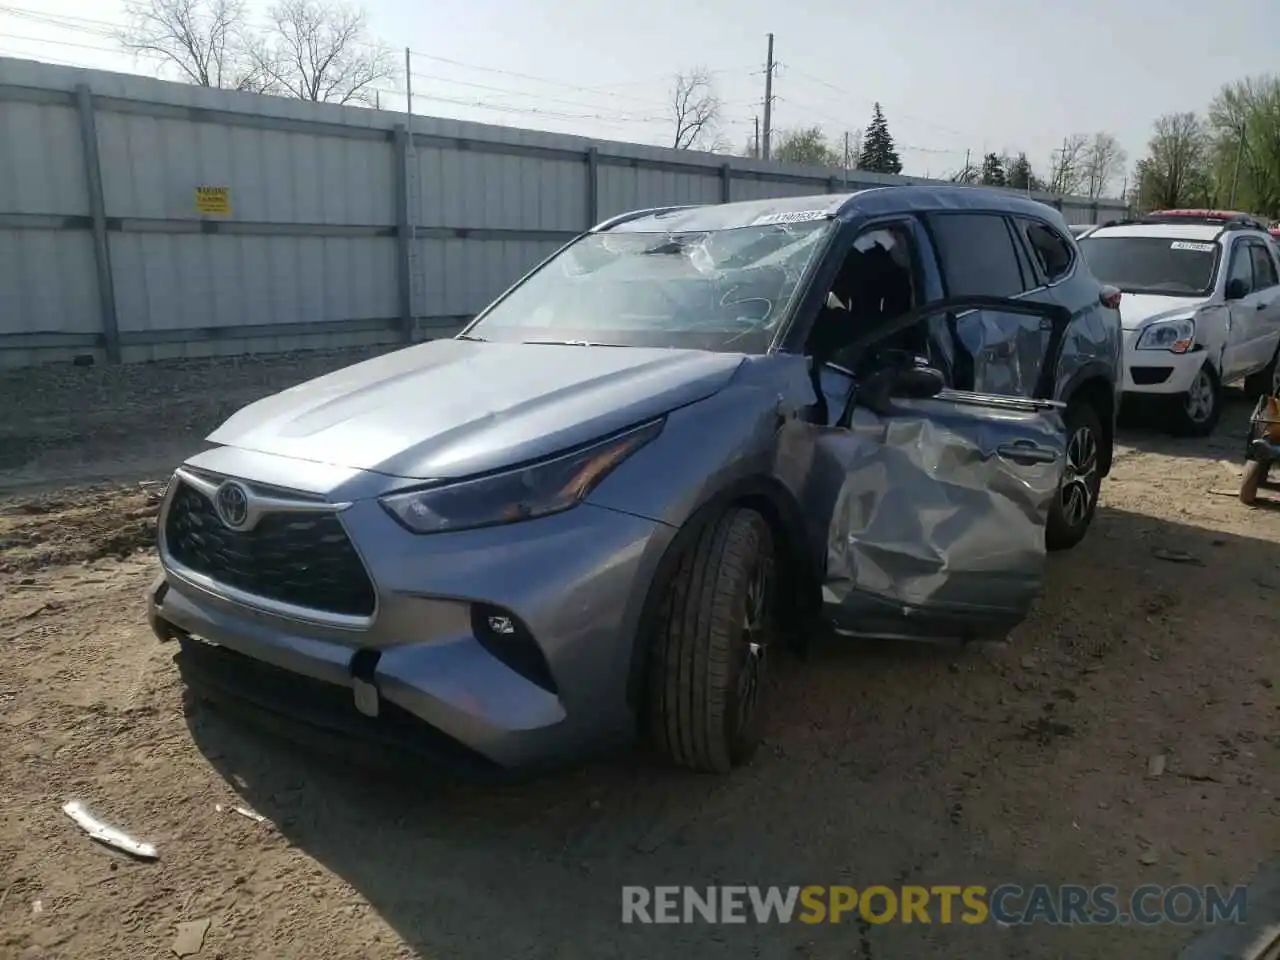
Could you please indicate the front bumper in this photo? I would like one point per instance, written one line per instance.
(1159, 371)
(576, 582)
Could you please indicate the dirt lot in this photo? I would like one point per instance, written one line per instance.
(886, 764)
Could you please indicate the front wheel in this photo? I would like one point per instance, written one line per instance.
(1077, 500)
(1196, 412)
(718, 621)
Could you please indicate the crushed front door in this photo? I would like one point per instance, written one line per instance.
(938, 505)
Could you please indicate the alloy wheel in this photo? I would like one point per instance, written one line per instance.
(756, 623)
(1200, 398)
(1079, 479)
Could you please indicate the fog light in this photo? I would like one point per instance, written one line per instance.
(501, 624)
(509, 641)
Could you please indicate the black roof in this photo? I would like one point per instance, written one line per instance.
(876, 201)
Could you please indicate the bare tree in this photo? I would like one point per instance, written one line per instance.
(321, 51)
(695, 108)
(1175, 171)
(204, 40)
(1067, 169)
(1103, 161)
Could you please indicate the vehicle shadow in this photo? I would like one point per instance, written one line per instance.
(886, 763)
(1141, 428)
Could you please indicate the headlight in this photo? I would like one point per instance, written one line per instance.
(1176, 335)
(536, 490)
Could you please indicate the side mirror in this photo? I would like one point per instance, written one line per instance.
(918, 383)
(898, 377)
(1237, 289)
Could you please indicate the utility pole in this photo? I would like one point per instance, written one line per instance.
(411, 197)
(756, 150)
(1235, 180)
(967, 178)
(846, 159)
(768, 98)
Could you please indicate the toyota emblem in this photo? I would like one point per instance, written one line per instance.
(231, 501)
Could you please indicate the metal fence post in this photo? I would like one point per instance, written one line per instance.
(726, 182)
(404, 233)
(98, 214)
(593, 187)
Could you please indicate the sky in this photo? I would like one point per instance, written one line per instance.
(953, 76)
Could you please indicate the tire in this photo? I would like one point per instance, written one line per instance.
(706, 677)
(1265, 381)
(1077, 500)
(1255, 474)
(1196, 412)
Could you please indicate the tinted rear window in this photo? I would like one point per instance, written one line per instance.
(1161, 265)
(977, 255)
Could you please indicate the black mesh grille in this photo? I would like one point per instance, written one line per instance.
(304, 559)
(323, 714)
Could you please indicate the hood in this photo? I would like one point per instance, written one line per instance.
(451, 408)
(1137, 309)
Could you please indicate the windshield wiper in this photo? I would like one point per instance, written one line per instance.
(465, 336)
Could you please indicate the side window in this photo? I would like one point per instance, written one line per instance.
(1241, 266)
(977, 254)
(988, 352)
(1264, 268)
(876, 283)
(1052, 251)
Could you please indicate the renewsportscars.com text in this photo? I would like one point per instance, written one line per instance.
(1007, 904)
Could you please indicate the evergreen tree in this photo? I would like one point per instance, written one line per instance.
(993, 171)
(878, 153)
(1020, 176)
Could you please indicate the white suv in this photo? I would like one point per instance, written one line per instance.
(1201, 307)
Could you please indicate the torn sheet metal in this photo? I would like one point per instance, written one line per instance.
(929, 519)
(106, 834)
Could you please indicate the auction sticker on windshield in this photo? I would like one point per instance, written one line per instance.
(1188, 245)
(789, 216)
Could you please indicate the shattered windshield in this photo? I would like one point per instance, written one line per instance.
(725, 289)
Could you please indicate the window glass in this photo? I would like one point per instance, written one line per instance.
(723, 289)
(1158, 265)
(1051, 250)
(977, 255)
(1241, 267)
(1264, 268)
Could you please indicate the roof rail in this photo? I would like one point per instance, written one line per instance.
(1227, 219)
(639, 214)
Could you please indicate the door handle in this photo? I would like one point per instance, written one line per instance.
(1026, 453)
(1261, 306)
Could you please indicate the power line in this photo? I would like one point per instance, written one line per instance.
(60, 43)
(503, 90)
(846, 93)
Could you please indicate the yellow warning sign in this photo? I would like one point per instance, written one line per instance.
(213, 200)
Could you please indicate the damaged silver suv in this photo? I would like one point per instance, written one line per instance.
(691, 435)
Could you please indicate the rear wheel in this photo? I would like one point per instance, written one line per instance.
(1266, 380)
(715, 629)
(1196, 412)
(1077, 501)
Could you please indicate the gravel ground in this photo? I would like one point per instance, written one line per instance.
(885, 764)
(66, 424)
